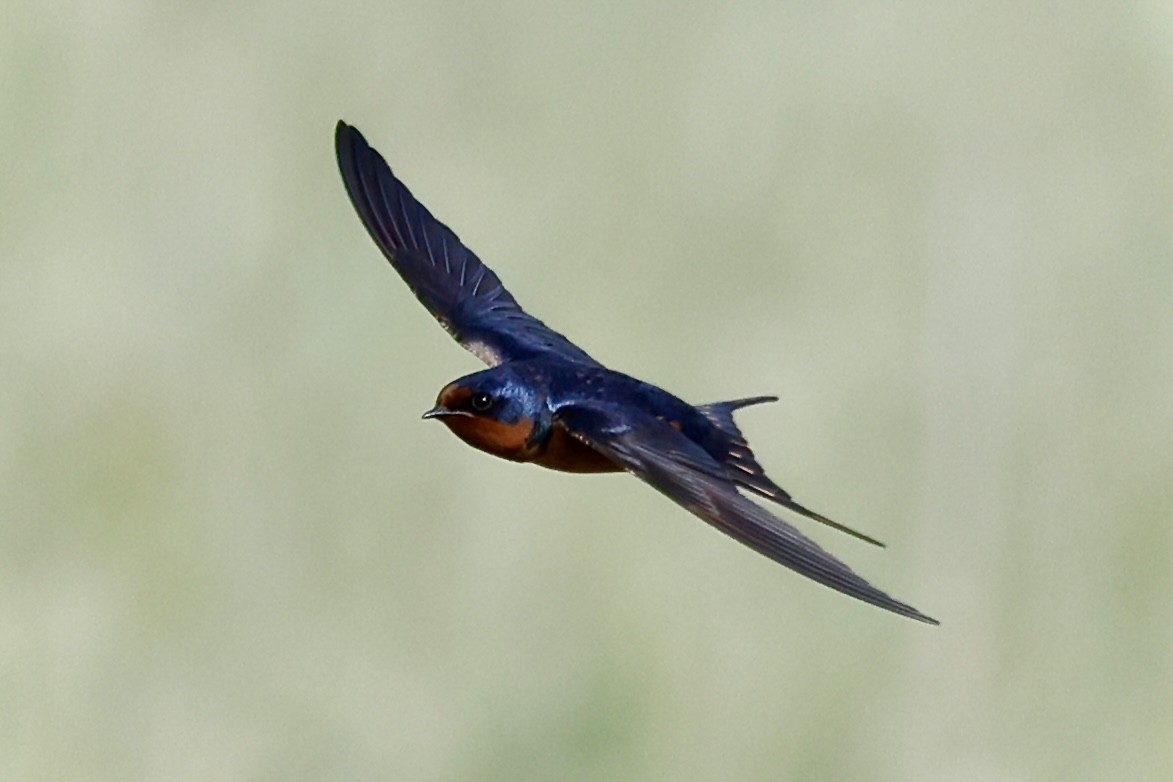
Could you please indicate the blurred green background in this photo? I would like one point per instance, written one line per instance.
(229, 548)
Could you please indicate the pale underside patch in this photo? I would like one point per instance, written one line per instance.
(483, 351)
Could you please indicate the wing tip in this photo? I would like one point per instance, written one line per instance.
(344, 136)
(912, 613)
(881, 599)
(344, 129)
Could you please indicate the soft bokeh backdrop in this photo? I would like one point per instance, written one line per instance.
(942, 233)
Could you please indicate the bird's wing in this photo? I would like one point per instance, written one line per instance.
(461, 292)
(743, 469)
(656, 453)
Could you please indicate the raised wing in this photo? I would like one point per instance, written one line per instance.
(677, 467)
(461, 292)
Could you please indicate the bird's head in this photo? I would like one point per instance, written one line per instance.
(495, 412)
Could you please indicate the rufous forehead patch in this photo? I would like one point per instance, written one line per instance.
(453, 396)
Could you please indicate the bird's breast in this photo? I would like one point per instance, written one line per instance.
(507, 440)
(563, 451)
(560, 450)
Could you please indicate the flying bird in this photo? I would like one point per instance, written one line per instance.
(545, 400)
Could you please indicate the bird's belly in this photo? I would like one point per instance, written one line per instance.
(566, 453)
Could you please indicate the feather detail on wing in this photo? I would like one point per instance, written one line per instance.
(449, 280)
(744, 470)
(678, 468)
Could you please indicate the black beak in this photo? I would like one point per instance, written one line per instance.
(439, 411)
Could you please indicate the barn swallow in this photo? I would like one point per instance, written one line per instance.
(545, 400)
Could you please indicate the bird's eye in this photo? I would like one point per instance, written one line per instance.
(481, 402)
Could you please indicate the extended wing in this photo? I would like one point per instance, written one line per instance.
(461, 292)
(669, 461)
(743, 469)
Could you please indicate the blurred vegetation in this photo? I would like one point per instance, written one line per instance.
(229, 548)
